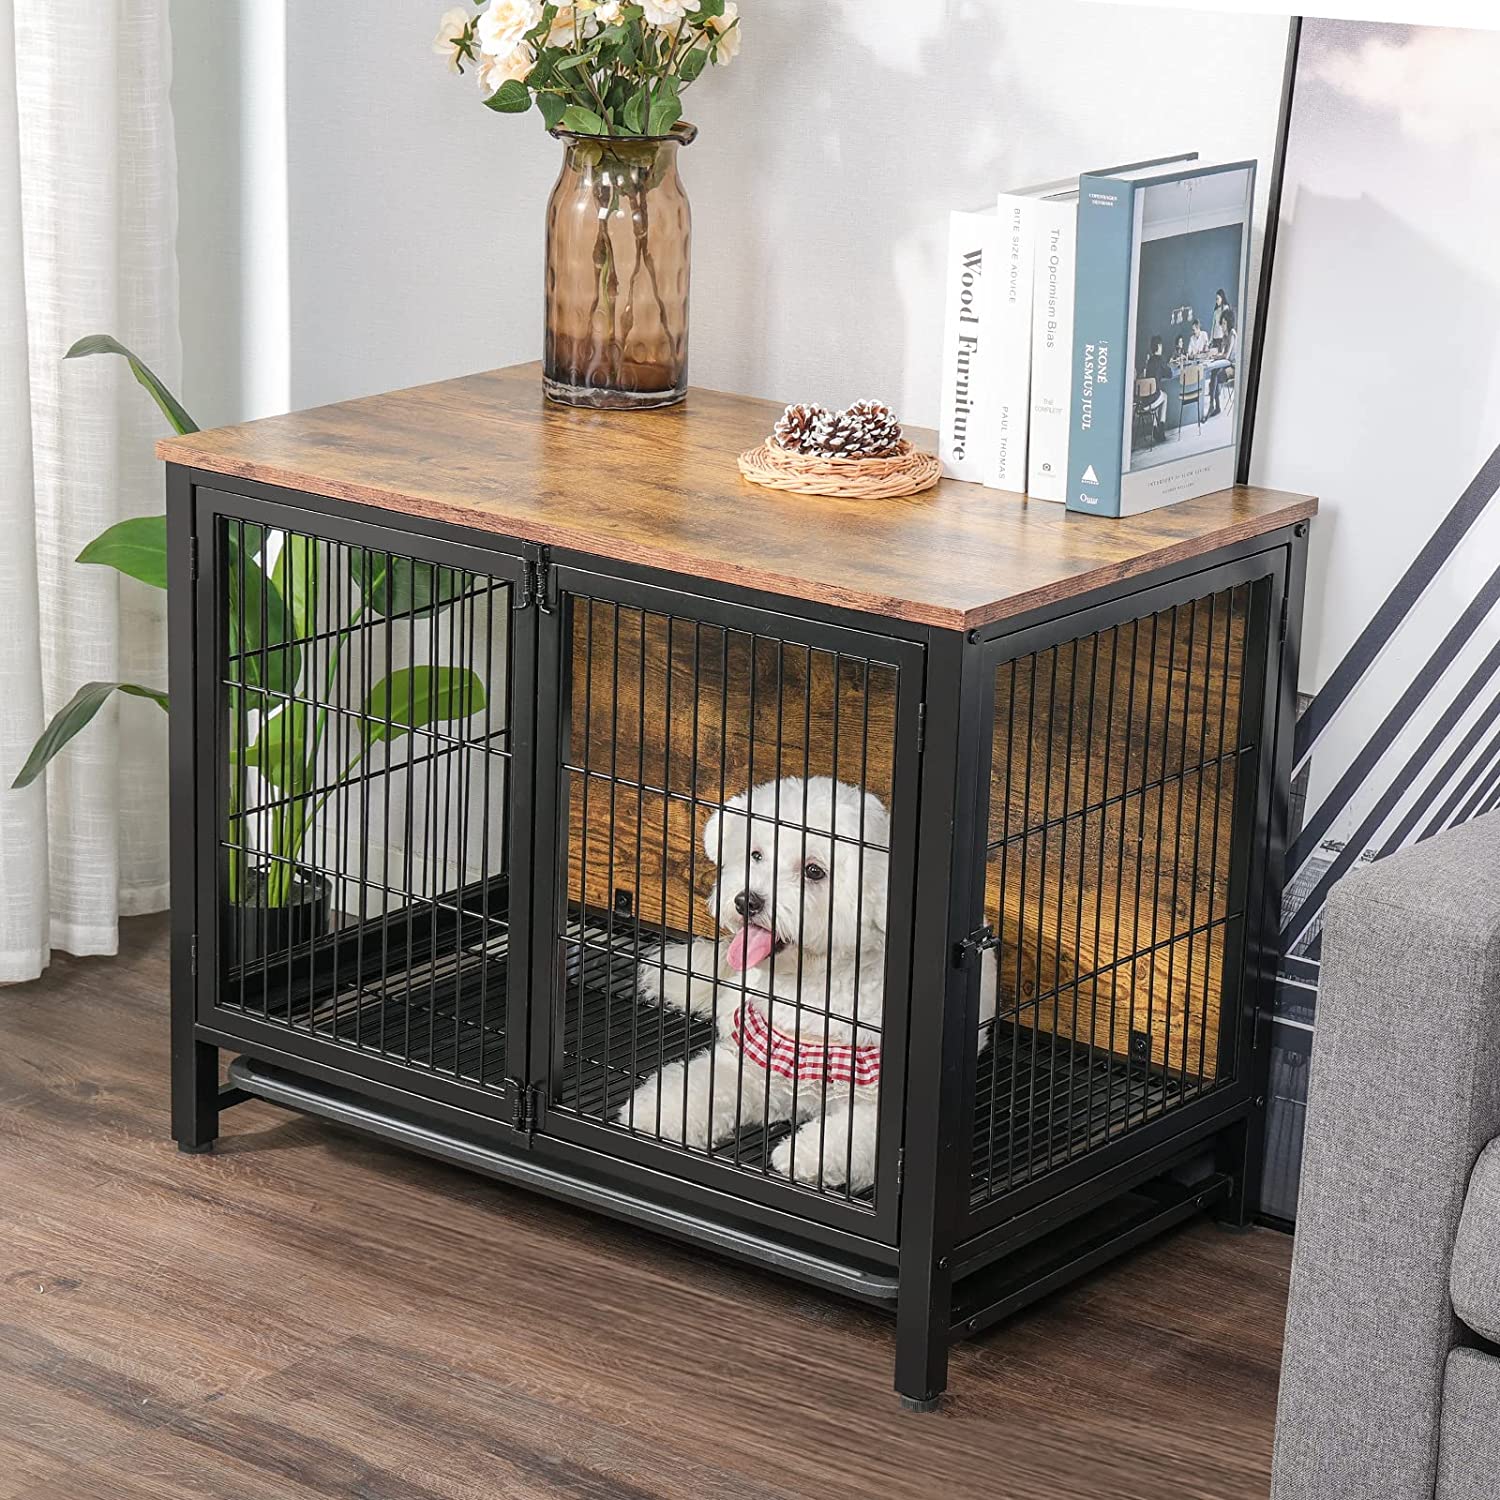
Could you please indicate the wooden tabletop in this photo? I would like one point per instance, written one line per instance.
(661, 488)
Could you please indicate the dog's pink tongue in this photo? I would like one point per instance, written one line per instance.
(750, 946)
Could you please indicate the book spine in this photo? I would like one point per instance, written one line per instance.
(966, 434)
(1101, 362)
(1051, 351)
(1010, 381)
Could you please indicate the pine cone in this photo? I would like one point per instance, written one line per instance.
(794, 426)
(834, 435)
(880, 432)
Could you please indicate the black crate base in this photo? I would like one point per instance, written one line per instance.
(440, 1008)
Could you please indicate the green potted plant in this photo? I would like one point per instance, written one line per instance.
(276, 603)
(607, 79)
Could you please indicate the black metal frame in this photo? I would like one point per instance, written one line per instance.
(949, 1268)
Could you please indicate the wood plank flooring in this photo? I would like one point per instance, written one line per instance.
(306, 1313)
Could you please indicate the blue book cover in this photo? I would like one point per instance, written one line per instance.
(1158, 343)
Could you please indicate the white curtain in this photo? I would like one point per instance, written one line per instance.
(88, 215)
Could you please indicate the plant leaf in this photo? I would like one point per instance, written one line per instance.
(412, 697)
(552, 107)
(401, 586)
(74, 715)
(693, 64)
(136, 547)
(102, 343)
(708, 9)
(511, 98)
(634, 114)
(296, 578)
(666, 111)
(264, 647)
(582, 121)
(280, 752)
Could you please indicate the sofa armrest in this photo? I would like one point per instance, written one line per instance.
(1404, 1093)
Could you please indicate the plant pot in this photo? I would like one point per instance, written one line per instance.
(255, 933)
(619, 246)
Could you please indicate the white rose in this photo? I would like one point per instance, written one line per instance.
(609, 12)
(668, 14)
(503, 25)
(729, 33)
(562, 32)
(451, 31)
(493, 71)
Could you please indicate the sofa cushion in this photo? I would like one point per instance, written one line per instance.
(1469, 1456)
(1475, 1279)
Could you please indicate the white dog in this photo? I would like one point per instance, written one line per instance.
(801, 899)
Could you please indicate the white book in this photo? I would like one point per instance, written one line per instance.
(1052, 346)
(965, 437)
(1009, 393)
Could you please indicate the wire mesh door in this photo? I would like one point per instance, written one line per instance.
(365, 799)
(736, 824)
(1119, 811)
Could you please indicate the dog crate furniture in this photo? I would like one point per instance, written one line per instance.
(462, 681)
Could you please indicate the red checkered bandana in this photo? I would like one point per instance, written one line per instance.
(790, 1056)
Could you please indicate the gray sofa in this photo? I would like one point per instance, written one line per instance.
(1390, 1383)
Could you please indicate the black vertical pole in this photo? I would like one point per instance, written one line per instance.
(939, 1109)
(1249, 399)
(195, 1064)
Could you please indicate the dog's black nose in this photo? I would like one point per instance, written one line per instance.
(748, 904)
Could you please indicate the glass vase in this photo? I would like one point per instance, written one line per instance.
(619, 244)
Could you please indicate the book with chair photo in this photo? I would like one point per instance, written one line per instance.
(1158, 346)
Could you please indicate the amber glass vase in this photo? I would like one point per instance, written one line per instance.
(619, 243)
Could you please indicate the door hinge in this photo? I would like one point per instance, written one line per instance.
(1286, 605)
(193, 558)
(193, 955)
(523, 1100)
(973, 945)
(537, 586)
(900, 1167)
(921, 727)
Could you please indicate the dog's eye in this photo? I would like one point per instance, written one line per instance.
(814, 872)
(755, 856)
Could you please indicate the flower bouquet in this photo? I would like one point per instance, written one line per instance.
(607, 79)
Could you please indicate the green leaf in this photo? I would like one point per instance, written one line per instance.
(511, 98)
(281, 750)
(77, 712)
(401, 586)
(260, 630)
(102, 343)
(666, 111)
(136, 547)
(708, 9)
(582, 121)
(634, 114)
(552, 108)
(693, 64)
(296, 577)
(413, 697)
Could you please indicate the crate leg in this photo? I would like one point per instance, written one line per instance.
(1233, 1156)
(923, 1314)
(195, 1096)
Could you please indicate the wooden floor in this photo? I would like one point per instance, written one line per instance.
(309, 1314)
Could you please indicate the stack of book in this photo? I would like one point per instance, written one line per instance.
(1093, 346)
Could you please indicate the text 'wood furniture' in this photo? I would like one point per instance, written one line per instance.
(468, 693)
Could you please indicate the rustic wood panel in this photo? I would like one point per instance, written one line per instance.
(1113, 852)
(661, 488)
(1111, 809)
(728, 712)
(311, 1313)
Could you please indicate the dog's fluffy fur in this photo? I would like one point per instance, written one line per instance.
(823, 902)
